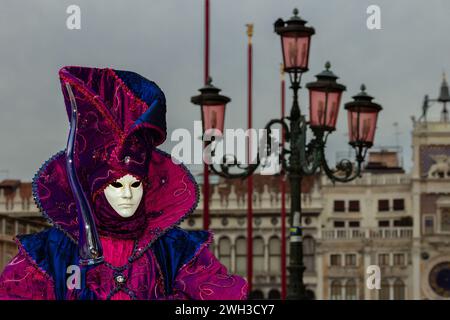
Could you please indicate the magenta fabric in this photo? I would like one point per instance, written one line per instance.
(22, 280)
(205, 278)
(142, 277)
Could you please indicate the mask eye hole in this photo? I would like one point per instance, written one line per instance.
(117, 184)
(136, 184)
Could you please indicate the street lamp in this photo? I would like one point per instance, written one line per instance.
(298, 157)
(213, 107)
(362, 120)
(295, 42)
(325, 98)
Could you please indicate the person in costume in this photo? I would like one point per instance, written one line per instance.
(115, 202)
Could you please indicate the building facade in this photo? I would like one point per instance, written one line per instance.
(18, 215)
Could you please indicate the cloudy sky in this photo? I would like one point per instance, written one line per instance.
(163, 41)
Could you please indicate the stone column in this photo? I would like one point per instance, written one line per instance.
(266, 257)
(415, 259)
(2, 226)
(416, 247)
(233, 256)
(320, 275)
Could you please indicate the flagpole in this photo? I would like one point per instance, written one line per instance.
(283, 197)
(205, 166)
(250, 178)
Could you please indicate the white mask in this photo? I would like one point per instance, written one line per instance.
(124, 195)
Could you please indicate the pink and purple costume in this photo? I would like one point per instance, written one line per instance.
(121, 121)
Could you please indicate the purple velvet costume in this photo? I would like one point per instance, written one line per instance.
(121, 121)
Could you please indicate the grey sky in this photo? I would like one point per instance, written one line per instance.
(163, 41)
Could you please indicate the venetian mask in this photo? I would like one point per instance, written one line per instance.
(124, 195)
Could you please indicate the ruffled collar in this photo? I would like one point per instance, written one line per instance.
(172, 195)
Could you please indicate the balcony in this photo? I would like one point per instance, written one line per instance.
(392, 233)
(367, 233)
(353, 233)
(369, 179)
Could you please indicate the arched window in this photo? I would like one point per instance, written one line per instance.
(225, 252)
(274, 294)
(258, 255)
(9, 226)
(275, 255)
(241, 256)
(384, 292)
(308, 253)
(336, 290)
(350, 290)
(399, 290)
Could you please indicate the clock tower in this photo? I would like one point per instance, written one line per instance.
(431, 198)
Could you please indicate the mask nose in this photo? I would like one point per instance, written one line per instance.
(127, 192)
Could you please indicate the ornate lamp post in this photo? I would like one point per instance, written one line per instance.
(298, 157)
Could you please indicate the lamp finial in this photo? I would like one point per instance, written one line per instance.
(363, 87)
(249, 29)
(282, 71)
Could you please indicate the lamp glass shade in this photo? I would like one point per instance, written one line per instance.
(295, 51)
(362, 124)
(213, 117)
(324, 109)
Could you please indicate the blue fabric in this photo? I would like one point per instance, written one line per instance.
(151, 94)
(176, 248)
(53, 252)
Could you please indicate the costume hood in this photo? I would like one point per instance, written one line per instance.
(121, 121)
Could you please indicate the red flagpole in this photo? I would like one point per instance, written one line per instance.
(250, 179)
(206, 41)
(283, 200)
(205, 166)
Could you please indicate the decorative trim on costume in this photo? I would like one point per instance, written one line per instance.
(34, 187)
(199, 249)
(32, 261)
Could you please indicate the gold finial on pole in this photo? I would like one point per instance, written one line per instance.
(249, 31)
(282, 71)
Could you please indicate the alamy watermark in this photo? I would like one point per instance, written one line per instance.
(73, 21)
(74, 279)
(373, 21)
(374, 279)
(247, 147)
